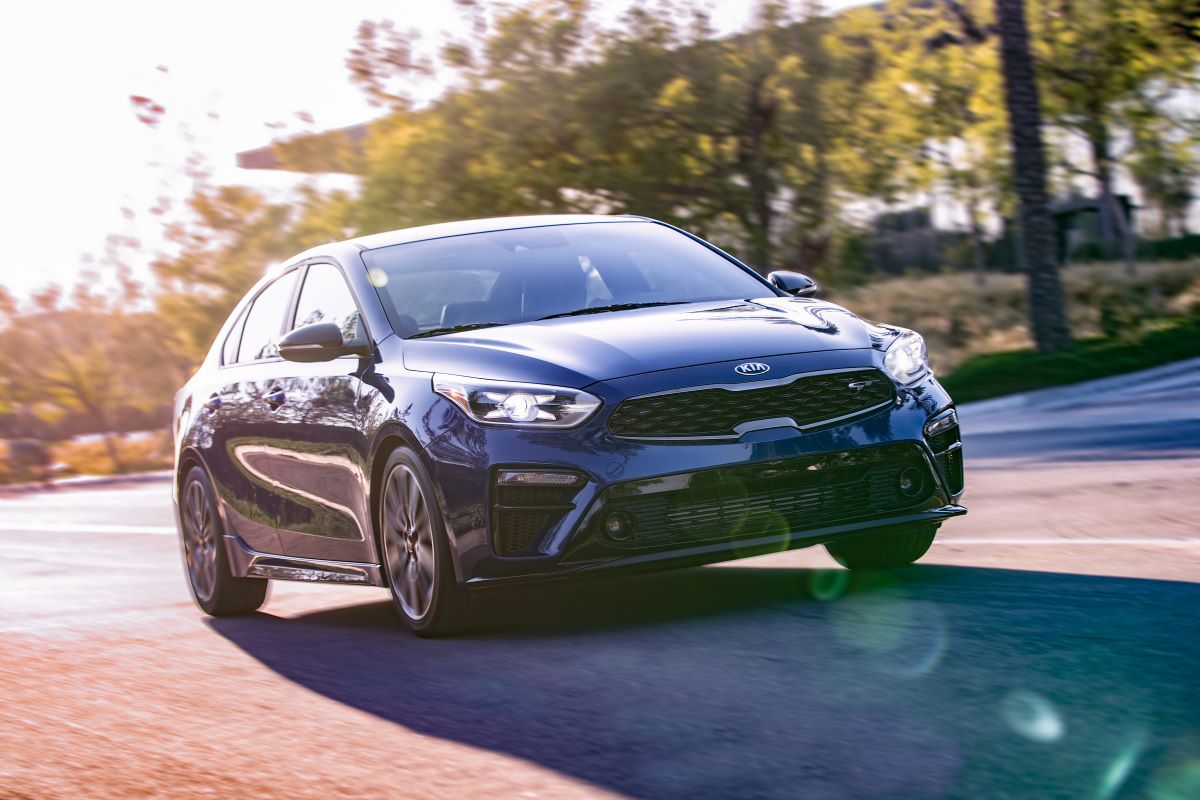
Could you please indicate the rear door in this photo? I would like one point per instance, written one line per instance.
(242, 416)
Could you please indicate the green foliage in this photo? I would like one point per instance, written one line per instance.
(996, 374)
(961, 320)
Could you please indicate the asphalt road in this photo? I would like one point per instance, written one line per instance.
(1047, 647)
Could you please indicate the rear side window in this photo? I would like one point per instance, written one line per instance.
(325, 297)
(260, 334)
(229, 350)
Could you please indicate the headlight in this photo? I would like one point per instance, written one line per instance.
(522, 404)
(907, 359)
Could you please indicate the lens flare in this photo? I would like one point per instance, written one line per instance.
(899, 637)
(1032, 716)
(828, 584)
(1181, 784)
(1118, 771)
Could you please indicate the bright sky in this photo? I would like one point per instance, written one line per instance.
(72, 153)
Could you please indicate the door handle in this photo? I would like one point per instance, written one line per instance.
(275, 398)
(213, 402)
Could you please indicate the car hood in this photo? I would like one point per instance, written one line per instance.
(581, 350)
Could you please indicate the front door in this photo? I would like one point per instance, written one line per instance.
(317, 455)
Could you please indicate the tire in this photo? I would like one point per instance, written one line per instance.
(883, 550)
(216, 590)
(415, 550)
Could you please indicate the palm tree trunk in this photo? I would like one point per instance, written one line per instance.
(1036, 240)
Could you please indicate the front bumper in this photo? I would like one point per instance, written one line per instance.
(713, 488)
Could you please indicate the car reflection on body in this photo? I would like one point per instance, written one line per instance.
(447, 408)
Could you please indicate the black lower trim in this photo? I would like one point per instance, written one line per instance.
(714, 552)
(751, 500)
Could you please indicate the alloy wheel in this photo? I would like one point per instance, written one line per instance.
(199, 539)
(408, 543)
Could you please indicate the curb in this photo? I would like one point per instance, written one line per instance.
(1039, 396)
(88, 482)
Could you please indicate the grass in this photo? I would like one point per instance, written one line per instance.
(961, 321)
(996, 374)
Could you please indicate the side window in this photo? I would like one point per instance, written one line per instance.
(229, 350)
(260, 333)
(325, 297)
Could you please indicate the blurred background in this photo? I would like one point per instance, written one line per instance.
(158, 158)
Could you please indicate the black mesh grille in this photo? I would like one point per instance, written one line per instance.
(534, 495)
(951, 464)
(517, 531)
(949, 457)
(776, 497)
(715, 412)
(523, 513)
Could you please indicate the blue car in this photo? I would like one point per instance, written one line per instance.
(454, 407)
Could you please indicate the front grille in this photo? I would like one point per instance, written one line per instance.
(775, 497)
(808, 400)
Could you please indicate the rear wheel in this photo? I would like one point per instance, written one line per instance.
(214, 587)
(416, 551)
(883, 550)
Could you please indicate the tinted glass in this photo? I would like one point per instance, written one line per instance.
(261, 332)
(229, 350)
(325, 297)
(530, 273)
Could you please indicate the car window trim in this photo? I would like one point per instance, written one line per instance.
(365, 333)
(239, 325)
(289, 312)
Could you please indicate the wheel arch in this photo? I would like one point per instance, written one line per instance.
(191, 457)
(389, 439)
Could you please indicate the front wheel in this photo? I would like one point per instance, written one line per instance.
(886, 550)
(416, 551)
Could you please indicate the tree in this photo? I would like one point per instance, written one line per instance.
(83, 355)
(230, 237)
(942, 97)
(1037, 237)
(1098, 59)
(1164, 165)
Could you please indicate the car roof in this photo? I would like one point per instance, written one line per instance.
(443, 229)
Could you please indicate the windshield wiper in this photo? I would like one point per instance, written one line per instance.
(474, 326)
(615, 307)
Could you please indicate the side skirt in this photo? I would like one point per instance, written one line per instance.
(247, 563)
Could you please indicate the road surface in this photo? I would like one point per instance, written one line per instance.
(1047, 647)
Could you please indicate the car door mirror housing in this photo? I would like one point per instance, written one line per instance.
(320, 341)
(794, 283)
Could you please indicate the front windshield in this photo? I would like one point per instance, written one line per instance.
(481, 279)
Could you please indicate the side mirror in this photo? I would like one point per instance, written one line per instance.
(320, 341)
(793, 283)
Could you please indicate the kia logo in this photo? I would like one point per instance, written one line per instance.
(752, 368)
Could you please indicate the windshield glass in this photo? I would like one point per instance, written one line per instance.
(480, 279)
